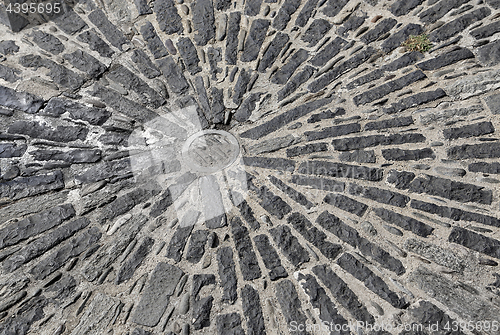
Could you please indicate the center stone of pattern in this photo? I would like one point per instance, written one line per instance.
(210, 151)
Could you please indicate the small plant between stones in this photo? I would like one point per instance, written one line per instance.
(418, 43)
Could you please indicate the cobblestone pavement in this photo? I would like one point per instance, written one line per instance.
(257, 167)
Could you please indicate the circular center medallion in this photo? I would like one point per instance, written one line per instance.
(209, 151)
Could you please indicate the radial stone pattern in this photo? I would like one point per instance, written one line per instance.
(250, 167)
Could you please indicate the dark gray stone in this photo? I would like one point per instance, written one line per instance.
(29, 313)
(485, 167)
(202, 13)
(493, 103)
(475, 241)
(355, 143)
(352, 23)
(227, 274)
(59, 134)
(233, 29)
(396, 39)
(39, 246)
(380, 29)
(285, 118)
(178, 242)
(61, 256)
(104, 170)
(486, 31)
(142, 7)
(156, 296)
(367, 78)
(70, 22)
(8, 47)
(290, 304)
(73, 156)
(403, 7)
(340, 170)
(144, 64)
(167, 17)
(450, 189)
(130, 81)
(316, 31)
(189, 54)
(246, 108)
(400, 179)
(328, 114)
(217, 111)
(154, 43)
(407, 155)
(458, 25)
(379, 195)
(96, 43)
(306, 149)
(334, 131)
(255, 38)
(457, 297)
(346, 204)
(292, 193)
(34, 225)
(270, 257)
(415, 100)
(373, 282)
(110, 31)
(272, 51)
(285, 14)
(124, 203)
(248, 214)
(23, 187)
(320, 301)
(313, 235)
(327, 185)
(59, 74)
(289, 245)
(252, 7)
(47, 42)
(8, 74)
(439, 10)
(248, 261)
(280, 164)
(22, 101)
(173, 74)
(482, 150)
(405, 222)
(93, 115)
(127, 269)
(334, 73)
(359, 156)
(446, 59)
(389, 123)
(389, 87)
(222, 5)
(294, 83)
(349, 235)
(328, 51)
(196, 247)
(472, 130)
(9, 150)
(241, 86)
(201, 306)
(229, 324)
(333, 7)
(272, 203)
(306, 13)
(342, 293)
(403, 61)
(85, 63)
(252, 310)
